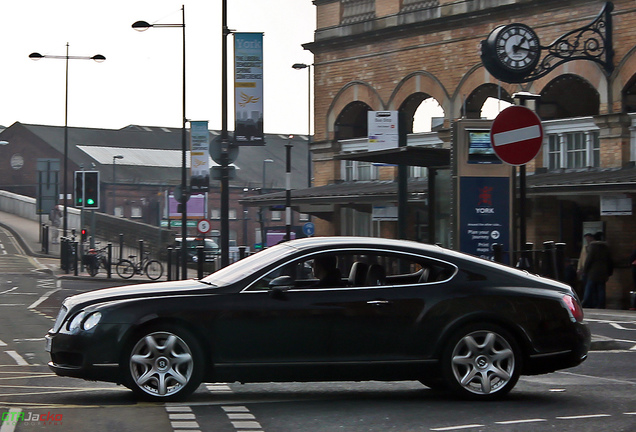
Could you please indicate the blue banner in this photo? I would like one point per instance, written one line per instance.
(484, 215)
(248, 89)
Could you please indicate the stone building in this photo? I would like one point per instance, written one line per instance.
(402, 54)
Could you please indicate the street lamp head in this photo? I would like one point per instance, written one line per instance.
(141, 26)
(118, 157)
(35, 56)
(98, 58)
(299, 66)
(268, 161)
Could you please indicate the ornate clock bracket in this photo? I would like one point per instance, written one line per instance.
(591, 42)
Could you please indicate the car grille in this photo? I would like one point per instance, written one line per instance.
(60, 319)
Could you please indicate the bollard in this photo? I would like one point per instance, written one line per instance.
(242, 250)
(200, 261)
(178, 260)
(525, 260)
(169, 263)
(141, 250)
(109, 266)
(121, 247)
(497, 249)
(45, 239)
(75, 246)
(559, 261)
(548, 260)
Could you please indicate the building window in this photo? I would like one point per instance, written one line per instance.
(357, 170)
(135, 212)
(276, 215)
(119, 211)
(215, 213)
(574, 150)
(411, 5)
(418, 172)
(303, 217)
(232, 214)
(357, 10)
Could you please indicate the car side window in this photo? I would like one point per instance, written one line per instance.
(355, 269)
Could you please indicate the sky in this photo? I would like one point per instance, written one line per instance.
(141, 80)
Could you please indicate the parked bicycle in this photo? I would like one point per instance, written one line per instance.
(127, 268)
(94, 259)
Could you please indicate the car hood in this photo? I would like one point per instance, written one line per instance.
(160, 289)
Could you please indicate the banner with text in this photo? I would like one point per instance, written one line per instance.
(248, 89)
(199, 156)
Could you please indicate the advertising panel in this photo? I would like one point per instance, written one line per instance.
(199, 156)
(195, 207)
(248, 89)
(484, 214)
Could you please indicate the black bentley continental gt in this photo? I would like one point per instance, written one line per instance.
(326, 309)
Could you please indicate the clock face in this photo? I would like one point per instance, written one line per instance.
(517, 47)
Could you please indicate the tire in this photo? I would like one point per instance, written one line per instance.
(163, 363)
(481, 361)
(125, 269)
(153, 269)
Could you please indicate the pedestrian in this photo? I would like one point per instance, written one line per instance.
(598, 268)
(587, 239)
(55, 216)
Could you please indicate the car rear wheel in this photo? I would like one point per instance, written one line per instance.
(163, 364)
(481, 362)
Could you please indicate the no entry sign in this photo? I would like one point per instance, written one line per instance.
(516, 135)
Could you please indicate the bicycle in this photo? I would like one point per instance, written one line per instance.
(94, 259)
(127, 268)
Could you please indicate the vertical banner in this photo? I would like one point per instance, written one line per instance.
(199, 156)
(248, 89)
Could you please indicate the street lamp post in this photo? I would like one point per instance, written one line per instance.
(300, 66)
(115, 180)
(141, 26)
(97, 58)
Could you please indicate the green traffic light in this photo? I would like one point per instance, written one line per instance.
(90, 201)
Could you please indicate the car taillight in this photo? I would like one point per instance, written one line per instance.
(574, 307)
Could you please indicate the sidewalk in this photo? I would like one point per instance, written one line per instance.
(27, 234)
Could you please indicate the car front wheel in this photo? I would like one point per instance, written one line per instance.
(163, 364)
(481, 362)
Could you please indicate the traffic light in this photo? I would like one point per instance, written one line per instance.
(79, 189)
(84, 235)
(91, 189)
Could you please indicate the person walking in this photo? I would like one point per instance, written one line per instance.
(598, 268)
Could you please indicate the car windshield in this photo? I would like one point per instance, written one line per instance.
(247, 266)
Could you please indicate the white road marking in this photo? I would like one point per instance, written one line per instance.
(43, 298)
(2, 343)
(18, 358)
(509, 422)
(589, 416)
(9, 290)
(452, 428)
(9, 426)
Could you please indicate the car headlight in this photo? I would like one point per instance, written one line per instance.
(85, 322)
(92, 320)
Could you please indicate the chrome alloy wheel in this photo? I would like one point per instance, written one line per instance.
(483, 362)
(161, 364)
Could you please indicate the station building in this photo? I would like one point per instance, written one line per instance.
(410, 55)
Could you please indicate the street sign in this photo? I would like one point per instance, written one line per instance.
(204, 226)
(309, 229)
(516, 135)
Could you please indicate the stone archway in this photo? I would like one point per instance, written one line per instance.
(352, 121)
(568, 96)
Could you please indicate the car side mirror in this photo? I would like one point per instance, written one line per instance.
(280, 285)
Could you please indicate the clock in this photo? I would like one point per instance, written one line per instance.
(511, 52)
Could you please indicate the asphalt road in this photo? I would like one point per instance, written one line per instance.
(595, 396)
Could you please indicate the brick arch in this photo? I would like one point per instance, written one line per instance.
(588, 71)
(471, 87)
(623, 78)
(472, 106)
(354, 91)
(419, 82)
(568, 95)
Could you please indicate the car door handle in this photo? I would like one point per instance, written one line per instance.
(378, 302)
